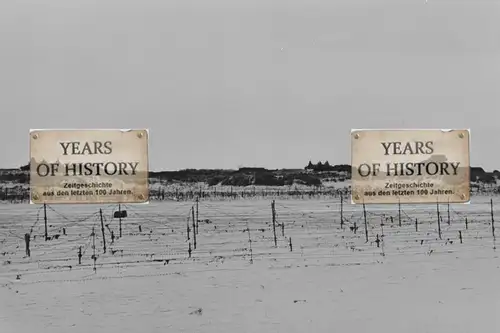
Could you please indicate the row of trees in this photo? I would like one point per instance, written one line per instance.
(318, 167)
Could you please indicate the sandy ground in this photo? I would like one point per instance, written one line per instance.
(331, 280)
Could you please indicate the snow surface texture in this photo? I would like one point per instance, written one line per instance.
(332, 280)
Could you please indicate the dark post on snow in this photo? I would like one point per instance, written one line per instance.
(399, 212)
(102, 230)
(194, 228)
(366, 224)
(197, 215)
(273, 210)
(80, 255)
(250, 243)
(120, 219)
(439, 221)
(341, 212)
(449, 221)
(93, 247)
(27, 238)
(492, 220)
(45, 220)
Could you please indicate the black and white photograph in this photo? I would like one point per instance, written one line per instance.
(249, 166)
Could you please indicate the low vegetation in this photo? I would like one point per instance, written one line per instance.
(312, 175)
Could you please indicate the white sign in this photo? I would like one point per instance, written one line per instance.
(89, 166)
(410, 166)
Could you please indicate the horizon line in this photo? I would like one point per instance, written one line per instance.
(237, 168)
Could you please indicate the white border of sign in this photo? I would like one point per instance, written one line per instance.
(90, 129)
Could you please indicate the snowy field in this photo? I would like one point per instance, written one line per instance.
(329, 279)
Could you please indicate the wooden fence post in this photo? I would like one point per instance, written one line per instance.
(492, 219)
(273, 211)
(366, 224)
(194, 228)
(439, 221)
(102, 229)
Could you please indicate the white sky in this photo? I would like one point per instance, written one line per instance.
(257, 83)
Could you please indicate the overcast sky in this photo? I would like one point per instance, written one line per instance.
(269, 83)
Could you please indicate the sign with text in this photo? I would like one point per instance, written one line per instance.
(89, 166)
(410, 166)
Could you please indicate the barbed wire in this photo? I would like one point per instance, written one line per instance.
(167, 231)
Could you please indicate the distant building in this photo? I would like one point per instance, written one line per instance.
(319, 167)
